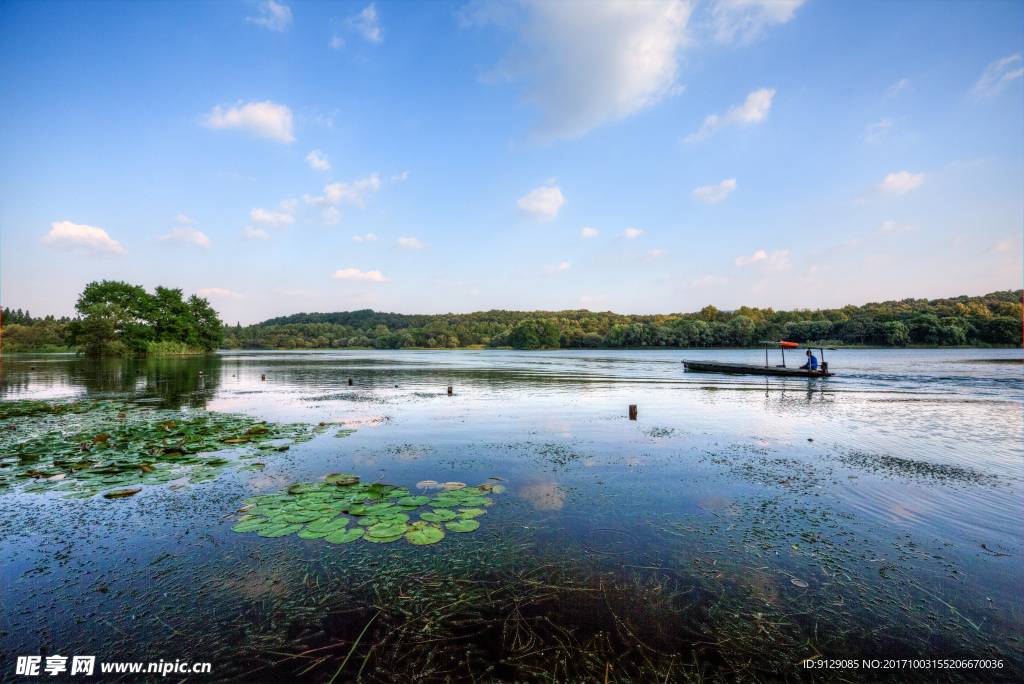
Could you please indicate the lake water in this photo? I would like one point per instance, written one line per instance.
(738, 526)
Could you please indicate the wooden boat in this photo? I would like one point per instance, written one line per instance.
(766, 369)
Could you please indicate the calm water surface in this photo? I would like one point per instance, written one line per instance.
(892, 490)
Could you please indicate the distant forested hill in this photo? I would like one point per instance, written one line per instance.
(994, 319)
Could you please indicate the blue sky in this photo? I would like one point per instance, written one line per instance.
(452, 157)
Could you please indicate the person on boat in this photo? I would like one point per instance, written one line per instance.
(812, 362)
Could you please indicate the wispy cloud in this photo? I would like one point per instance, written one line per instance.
(255, 233)
(262, 119)
(367, 23)
(998, 75)
(555, 270)
(186, 235)
(356, 274)
(274, 218)
(742, 21)
(410, 243)
(218, 292)
(541, 204)
(589, 232)
(710, 194)
(890, 228)
(275, 17)
(318, 160)
(68, 235)
(631, 233)
(898, 86)
(892, 185)
(876, 130)
(363, 296)
(369, 237)
(353, 193)
(585, 63)
(776, 261)
(754, 110)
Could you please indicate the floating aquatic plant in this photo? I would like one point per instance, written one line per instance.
(380, 512)
(85, 448)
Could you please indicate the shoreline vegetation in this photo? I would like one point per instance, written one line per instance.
(118, 319)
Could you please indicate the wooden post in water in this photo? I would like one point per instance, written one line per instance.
(350, 382)
(632, 411)
(263, 377)
(449, 390)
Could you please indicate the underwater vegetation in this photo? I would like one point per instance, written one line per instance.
(84, 448)
(381, 512)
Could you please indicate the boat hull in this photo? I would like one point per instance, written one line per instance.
(751, 369)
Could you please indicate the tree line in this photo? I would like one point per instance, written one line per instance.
(994, 319)
(119, 319)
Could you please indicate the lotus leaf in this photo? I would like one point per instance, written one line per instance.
(413, 501)
(382, 540)
(253, 466)
(310, 534)
(397, 517)
(342, 480)
(467, 513)
(377, 509)
(422, 534)
(327, 526)
(357, 509)
(367, 520)
(477, 501)
(445, 503)
(472, 491)
(462, 525)
(279, 531)
(344, 536)
(120, 493)
(249, 525)
(387, 529)
(301, 517)
(439, 515)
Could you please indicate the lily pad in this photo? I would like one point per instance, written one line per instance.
(327, 525)
(462, 525)
(440, 515)
(415, 501)
(301, 517)
(253, 466)
(422, 534)
(249, 525)
(122, 493)
(382, 540)
(344, 536)
(280, 531)
(343, 480)
(468, 513)
(477, 501)
(387, 529)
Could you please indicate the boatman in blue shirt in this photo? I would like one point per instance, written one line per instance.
(812, 362)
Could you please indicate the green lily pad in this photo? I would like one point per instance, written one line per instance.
(382, 540)
(422, 534)
(310, 534)
(440, 515)
(384, 529)
(122, 493)
(253, 466)
(394, 517)
(462, 525)
(249, 525)
(445, 503)
(414, 501)
(281, 531)
(343, 480)
(327, 525)
(477, 501)
(301, 517)
(367, 520)
(344, 536)
(467, 513)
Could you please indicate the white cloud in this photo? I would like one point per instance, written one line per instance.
(560, 268)
(776, 261)
(744, 20)
(1007, 245)
(586, 299)
(897, 87)
(354, 192)
(318, 160)
(275, 17)
(400, 176)
(714, 193)
(876, 130)
(890, 228)
(263, 119)
(369, 237)
(219, 292)
(631, 233)
(337, 42)
(652, 255)
(541, 204)
(184, 220)
(754, 110)
(708, 281)
(584, 63)
(68, 235)
(363, 296)
(589, 232)
(900, 183)
(410, 243)
(330, 216)
(272, 217)
(356, 274)
(367, 23)
(998, 75)
(186, 234)
(255, 233)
